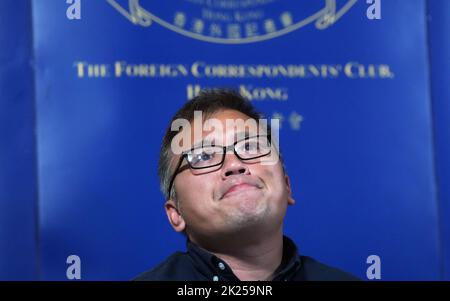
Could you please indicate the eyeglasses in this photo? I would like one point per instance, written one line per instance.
(212, 156)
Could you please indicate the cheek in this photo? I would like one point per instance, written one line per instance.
(194, 195)
(274, 178)
(194, 192)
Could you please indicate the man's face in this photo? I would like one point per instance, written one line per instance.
(239, 196)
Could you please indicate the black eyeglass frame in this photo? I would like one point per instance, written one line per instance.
(225, 150)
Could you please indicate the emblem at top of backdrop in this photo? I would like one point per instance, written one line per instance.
(233, 21)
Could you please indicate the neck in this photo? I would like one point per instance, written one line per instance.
(252, 258)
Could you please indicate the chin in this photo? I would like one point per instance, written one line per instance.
(249, 215)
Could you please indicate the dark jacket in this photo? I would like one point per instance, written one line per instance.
(198, 264)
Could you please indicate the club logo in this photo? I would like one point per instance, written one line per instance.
(233, 21)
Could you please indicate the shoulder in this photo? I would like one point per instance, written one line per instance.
(174, 268)
(313, 270)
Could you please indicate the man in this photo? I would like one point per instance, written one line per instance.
(227, 191)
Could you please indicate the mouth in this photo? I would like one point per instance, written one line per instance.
(239, 188)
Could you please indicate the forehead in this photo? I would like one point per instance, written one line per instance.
(222, 127)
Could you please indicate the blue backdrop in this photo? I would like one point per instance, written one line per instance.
(18, 182)
(363, 106)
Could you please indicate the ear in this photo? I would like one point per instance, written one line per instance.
(291, 200)
(174, 216)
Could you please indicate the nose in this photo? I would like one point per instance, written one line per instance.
(233, 166)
